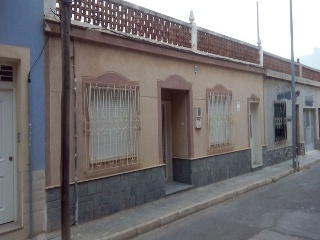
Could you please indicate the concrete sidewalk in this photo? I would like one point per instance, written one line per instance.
(133, 222)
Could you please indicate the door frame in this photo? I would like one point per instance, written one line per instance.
(176, 82)
(10, 86)
(312, 113)
(256, 101)
(166, 111)
(298, 138)
(255, 133)
(19, 57)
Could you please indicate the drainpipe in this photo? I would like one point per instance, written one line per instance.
(75, 138)
(258, 38)
(30, 163)
(300, 68)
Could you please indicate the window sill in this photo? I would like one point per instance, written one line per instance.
(9, 227)
(112, 160)
(221, 145)
(221, 150)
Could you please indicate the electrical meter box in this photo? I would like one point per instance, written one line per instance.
(197, 116)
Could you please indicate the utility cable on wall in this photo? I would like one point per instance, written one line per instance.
(29, 78)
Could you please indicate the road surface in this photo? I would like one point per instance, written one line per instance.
(285, 210)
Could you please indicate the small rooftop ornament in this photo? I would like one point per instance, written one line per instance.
(191, 17)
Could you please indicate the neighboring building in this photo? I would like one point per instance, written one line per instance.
(312, 60)
(21, 42)
(278, 109)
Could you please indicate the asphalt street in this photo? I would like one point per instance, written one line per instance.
(284, 210)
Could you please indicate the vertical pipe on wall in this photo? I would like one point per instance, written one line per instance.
(293, 93)
(30, 163)
(75, 138)
(258, 26)
(258, 38)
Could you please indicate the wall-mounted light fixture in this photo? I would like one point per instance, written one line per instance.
(195, 69)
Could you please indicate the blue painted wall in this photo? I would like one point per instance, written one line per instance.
(21, 24)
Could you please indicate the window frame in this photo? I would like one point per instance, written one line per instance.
(220, 142)
(111, 80)
(280, 121)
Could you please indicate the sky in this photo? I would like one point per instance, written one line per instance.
(238, 19)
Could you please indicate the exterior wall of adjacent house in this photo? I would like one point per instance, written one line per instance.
(278, 88)
(21, 42)
(277, 151)
(28, 33)
(308, 100)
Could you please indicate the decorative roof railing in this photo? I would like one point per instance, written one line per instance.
(310, 73)
(278, 64)
(223, 46)
(127, 18)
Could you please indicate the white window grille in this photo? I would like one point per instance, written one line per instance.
(113, 125)
(220, 120)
